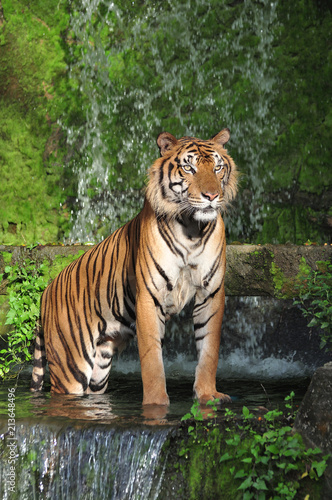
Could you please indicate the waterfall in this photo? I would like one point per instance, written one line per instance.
(92, 463)
(187, 67)
(262, 338)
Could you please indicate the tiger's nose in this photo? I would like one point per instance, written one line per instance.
(210, 196)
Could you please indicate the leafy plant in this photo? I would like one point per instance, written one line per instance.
(25, 283)
(273, 461)
(315, 300)
(262, 454)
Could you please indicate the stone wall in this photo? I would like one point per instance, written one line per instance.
(252, 270)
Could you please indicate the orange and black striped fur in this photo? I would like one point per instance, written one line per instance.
(132, 282)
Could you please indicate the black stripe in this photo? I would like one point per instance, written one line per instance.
(158, 267)
(95, 262)
(87, 324)
(39, 347)
(215, 266)
(204, 303)
(129, 309)
(56, 382)
(106, 355)
(40, 362)
(162, 224)
(73, 368)
(207, 232)
(197, 326)
(101, 324)
(78, 278)
(108, 364)
(116, 310)
(72, 330)
(105, 248)
(154, 298)
(36, 385)
(83, 343)
(99, 386)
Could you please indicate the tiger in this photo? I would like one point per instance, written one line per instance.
(131, 283)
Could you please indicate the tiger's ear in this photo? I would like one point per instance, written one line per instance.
(166, 142)
(222, 137)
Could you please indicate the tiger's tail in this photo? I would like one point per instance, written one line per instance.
(39, 363)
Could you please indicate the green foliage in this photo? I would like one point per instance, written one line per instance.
(34, 92)
(315, 300)
(195, 414)
(58, 263)
(260, 456)
(25, 283)
(298, 187)
(273, 460)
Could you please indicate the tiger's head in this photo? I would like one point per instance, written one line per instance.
(192, 178)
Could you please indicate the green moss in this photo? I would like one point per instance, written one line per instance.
(7, 257)
(52, 269)
(199, 472)
(323, 265)
(287, 288)
(278, 279)
(32, 66)
(304, 268)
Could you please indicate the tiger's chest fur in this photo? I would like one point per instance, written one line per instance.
(189, 266)
(182, 292)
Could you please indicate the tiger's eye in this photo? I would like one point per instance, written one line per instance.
(218, 168)
(188, 168)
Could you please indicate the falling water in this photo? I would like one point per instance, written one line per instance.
(91, 463)
(262, 338)
(231, 84)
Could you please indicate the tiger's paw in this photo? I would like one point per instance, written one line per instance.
(156, 399)
(223, 398)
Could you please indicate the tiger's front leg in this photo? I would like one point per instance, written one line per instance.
(208, 315)
(150, 327)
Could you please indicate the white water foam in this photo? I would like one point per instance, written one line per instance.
(237, 365)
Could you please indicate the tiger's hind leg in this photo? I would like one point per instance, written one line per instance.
(106, 347)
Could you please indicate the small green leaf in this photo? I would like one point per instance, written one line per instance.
(273, 448)
(246, 483)
(226, 456)
(260, 484)
(240, 473)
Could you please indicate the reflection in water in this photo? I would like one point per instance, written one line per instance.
(122, 403)
(95, 408)
(72, 407)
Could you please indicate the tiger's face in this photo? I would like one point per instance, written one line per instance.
(193, 178)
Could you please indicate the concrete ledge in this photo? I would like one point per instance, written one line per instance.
(252, 270)
(270, 269)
